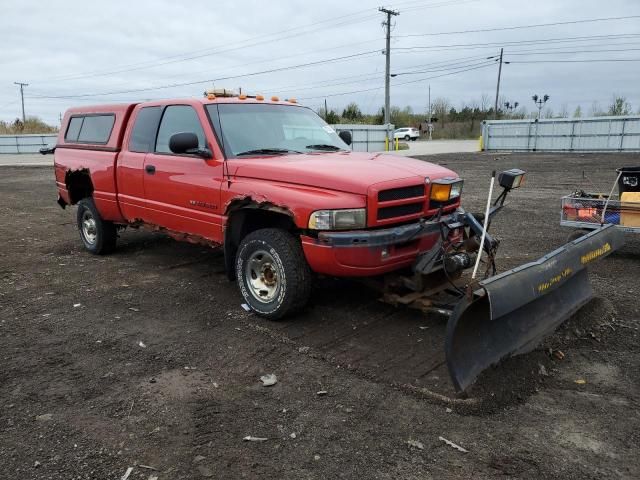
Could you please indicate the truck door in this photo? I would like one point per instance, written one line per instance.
(130, 177)
(183, 190)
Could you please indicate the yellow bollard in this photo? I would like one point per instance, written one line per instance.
(480, 143)
(397, 146)
(386, 144)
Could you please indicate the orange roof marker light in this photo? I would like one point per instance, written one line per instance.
(259, 97)
(292, 100)
(275, 99)
(211, 96)
(242, 97)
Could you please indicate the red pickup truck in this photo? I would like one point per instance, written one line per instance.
(282, 193)
(269, 181)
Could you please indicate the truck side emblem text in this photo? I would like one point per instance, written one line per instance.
(198, 203)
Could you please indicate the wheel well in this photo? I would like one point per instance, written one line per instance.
(79, 185)
(245, 220)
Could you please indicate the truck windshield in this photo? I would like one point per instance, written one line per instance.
(267, 129)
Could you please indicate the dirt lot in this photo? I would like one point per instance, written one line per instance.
(145, 359)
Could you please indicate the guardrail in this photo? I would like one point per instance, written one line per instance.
(595, 134)
(26, 143)
(365, 138)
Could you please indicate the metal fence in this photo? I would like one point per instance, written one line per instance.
(26, 143)
(366, 138)
(597, 134)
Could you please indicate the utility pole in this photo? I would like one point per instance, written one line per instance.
(430, 124)
(495, 111)
(387, 74)
(22, 85)
(326, 112)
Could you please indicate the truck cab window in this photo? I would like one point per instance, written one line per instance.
(73, 130)
(96, 128)
(143, 135)
(92, 128)
(177, 119)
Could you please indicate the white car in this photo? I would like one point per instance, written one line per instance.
(407, 133)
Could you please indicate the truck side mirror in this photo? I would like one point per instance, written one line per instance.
(345, 135)
(183, 142)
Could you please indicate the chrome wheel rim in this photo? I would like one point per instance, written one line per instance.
(263, 276)
(89, 229)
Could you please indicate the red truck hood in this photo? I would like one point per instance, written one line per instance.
(352, 172)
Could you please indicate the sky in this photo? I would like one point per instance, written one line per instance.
(77, 52)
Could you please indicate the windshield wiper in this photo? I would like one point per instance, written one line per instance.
(324, 146)
(267, 151)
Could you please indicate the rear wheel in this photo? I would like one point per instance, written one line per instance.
(97, 235)
(272, 273)
(407, 138)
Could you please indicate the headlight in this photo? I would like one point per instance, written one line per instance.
(445, 189)
(338, 219)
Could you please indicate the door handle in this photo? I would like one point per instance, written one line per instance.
(150, 169)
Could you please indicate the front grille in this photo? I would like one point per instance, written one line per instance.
(401, 193)
(385, 213)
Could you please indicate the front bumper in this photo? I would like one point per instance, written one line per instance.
(366, 253)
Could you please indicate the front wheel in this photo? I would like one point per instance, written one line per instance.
(98, 235)
(272, 273)
(407, 138)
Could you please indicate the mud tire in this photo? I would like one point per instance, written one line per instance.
(282, 253)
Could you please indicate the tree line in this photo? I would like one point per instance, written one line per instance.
(30, 125)
(464, 121)
(449, 121)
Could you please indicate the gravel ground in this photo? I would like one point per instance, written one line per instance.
(145, 359)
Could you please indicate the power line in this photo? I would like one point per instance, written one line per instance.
(306, 53)
(372, 76)
(618, 50)
(591, 60)
(183, 84)
(212, 51)
(9, 103)
(446, 67)
(537, 25)
(397, 84)
(441, 66)
(196, 54)
(520, 42)
(551, 50)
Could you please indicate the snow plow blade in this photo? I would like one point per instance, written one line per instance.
(512, 312)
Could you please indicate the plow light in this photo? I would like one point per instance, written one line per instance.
(221, 92)
(445, 189)
(338, 219)
(511, 179)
